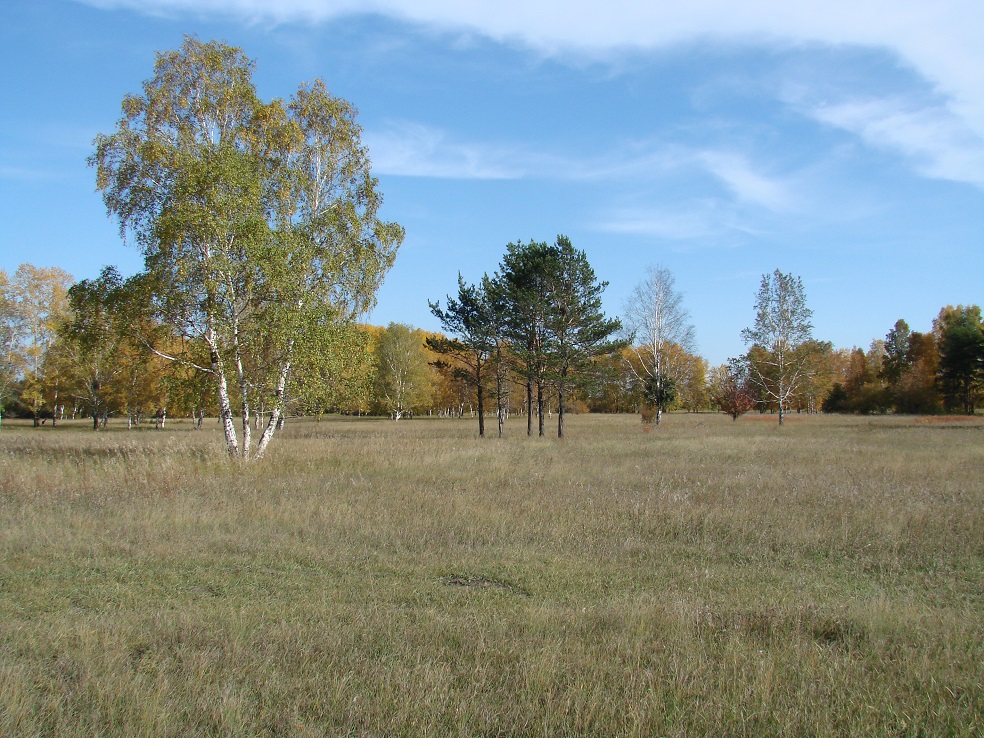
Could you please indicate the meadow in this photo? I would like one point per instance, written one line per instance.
(372, 578)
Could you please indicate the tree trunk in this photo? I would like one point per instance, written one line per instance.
(529, 407)
(539, 407)
(225, 416)
(499, 411)
(222, 389)
(277, 416)
(560, 410)
(481, 402)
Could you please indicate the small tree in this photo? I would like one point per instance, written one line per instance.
(692, 393)
(9, 325)
(896, 352)
(730, 389)
(93, 340)
(403, 382)
(40, 297)
(782, 325)
(334, 369)
(917, 391)
(660, 327)
(472, 323)
(660, 391)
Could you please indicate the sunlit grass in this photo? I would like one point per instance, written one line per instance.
(379, 578)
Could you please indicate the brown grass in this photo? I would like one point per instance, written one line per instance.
(379, 578)
(945, 419)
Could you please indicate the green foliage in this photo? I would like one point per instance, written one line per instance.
(660, 391)
(93, 339)
(550, 301)
(9, 320)
(961, 350)
(578, 329)
(523, 300)
(475, 327)
(615, 389)
(896, 352)
(837, 401)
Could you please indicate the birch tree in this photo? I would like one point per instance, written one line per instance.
(92, 340)
(40, 304)
(782, 326)
(657, 321)
(258, 222)
(9, 322)
(403, 381)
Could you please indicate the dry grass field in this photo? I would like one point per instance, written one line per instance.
(372, 578)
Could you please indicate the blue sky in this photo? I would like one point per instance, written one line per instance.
(842, 141)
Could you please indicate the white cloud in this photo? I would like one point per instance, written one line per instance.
(414, 150)
(744, 182)
(941, 38)
(694, 221)
(939, 143)
(27, 174)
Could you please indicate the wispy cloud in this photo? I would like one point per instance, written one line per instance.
(28, 174)
(939, 143)
(414, 150)
(747, 184)
(690, 222)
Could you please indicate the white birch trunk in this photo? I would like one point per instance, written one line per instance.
(271, 426)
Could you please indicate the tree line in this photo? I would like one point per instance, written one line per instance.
(259, 224)
(512, 346)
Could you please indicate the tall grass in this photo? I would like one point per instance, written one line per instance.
(374, 578)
